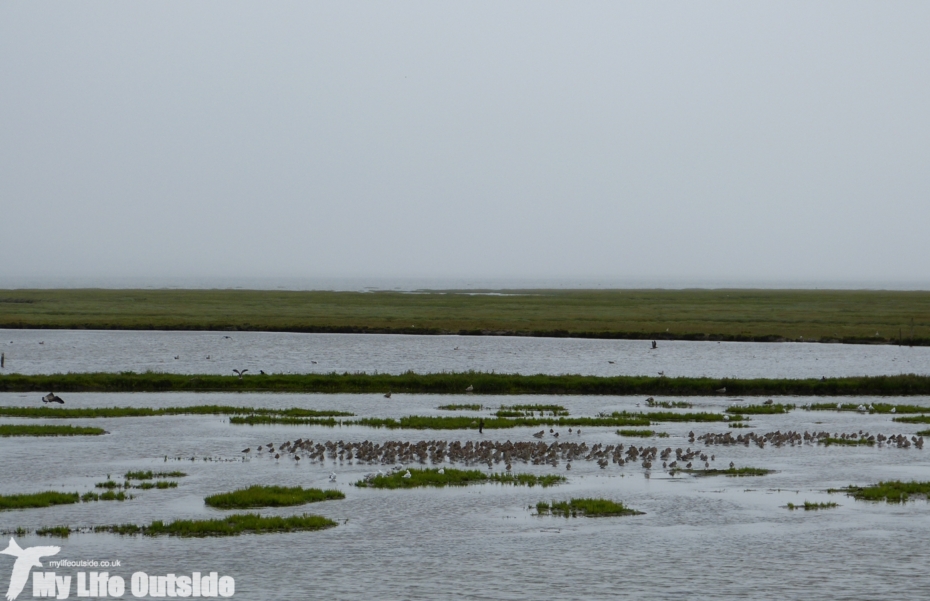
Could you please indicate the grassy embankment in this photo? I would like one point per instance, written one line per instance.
(456, 383)
(893, 491)
(453, 477)
(271, 496)
(49, 498)
(17, 430)
(853, 316)
(585, 507)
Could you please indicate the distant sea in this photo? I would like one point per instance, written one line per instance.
(403, 284)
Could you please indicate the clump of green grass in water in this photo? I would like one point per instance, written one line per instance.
(161, 484)
(41, 499)
(532, 410)
(924, 433)
(465, 407)
(25, 430)
(761, 409)
(270, 496)
(454, 477)
(732, 472)
(893, 491)
(108, 412)
(59, 531)
(850, 442)
(651, 402)
(738, 425)
(148, 475)
(233, 525)
(585, 507)
(642, 433)
(808, 506)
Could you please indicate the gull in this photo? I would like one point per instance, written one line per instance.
(894, 409)
(722, 390)
(239, 373)
(26, 559)
(470, 388)
(442, 470)
(332, 477)
(52, 398)
(407, 474)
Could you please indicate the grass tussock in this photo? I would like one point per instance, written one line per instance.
(585, 507)
(26, 430)
(462, 407)
(59, 531)
(148, 475)
(233, 525)
(808, 506)
(41, 499)
(651, 402)
(532, 410)
(453, 477)
(849, 442)
(439, 383)
(271, 496)
(641, 433)
(761, 409)
(892, 491)
(732, 472)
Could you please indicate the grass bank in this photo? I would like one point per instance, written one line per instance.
(585, 507)
(854, 316)
(893, 491)
(17, 430)
(233, 525)
(270, 496)
(453, 477)
(450, 383)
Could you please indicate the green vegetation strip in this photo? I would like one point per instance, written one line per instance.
(233, 525)
(641, 433)
(761, 409)
(148, 475)
(914, 419)
(454, 477)
(858, 316)
(98, 412)
(893, 491)
(467, 407)
(733, 472)
(49, 498)
(17, 430)
(808, 506)
(585, 507)
(441, 383)
(270, 496)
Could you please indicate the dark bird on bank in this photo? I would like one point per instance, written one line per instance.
(388, 395)
(239, 373)
(661, 374)
(654, 345)
(177, 356)
(262, 372)
(52, 398)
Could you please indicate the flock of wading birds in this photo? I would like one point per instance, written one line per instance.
(494, 453)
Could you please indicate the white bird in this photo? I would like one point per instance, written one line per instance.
(332, 477)
(726, 418)
(407, 474)
(839, 405)
(894, 409)
(470, 388)
(442, 470)
(26, 559)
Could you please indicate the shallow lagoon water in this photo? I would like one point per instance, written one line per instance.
(700, 538)
(61, 351)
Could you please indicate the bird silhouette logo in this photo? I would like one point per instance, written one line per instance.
(26, 559)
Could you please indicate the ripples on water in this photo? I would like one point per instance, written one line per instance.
(701, 538)
(60, 351)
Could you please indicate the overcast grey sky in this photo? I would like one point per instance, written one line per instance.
(699, 141)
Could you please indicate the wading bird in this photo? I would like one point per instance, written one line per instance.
(388, 395)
